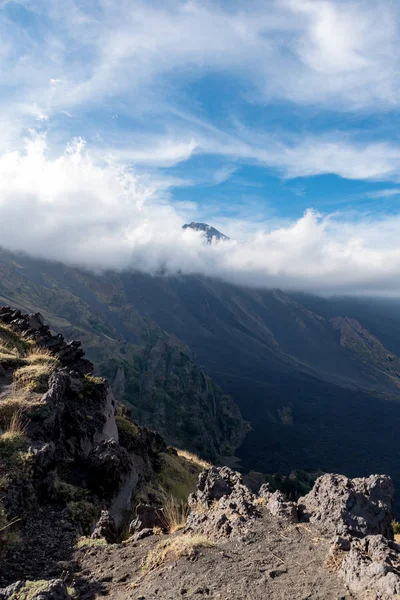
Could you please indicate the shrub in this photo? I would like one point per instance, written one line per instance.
(83, 513)
(396, 527)
(126, 426)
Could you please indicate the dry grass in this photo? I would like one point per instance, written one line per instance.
(175, 512)
(260, 501)
(191, 457)
(12, 343)
(88, 542)
(13, 437)
(32, 377)
(41, 356)
(174, 548)
(17, 425)
(18, 402)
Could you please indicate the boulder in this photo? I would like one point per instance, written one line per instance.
(10, 590)
(338, 505)
(105, 528)
(371, 568)
(147, 517)
(214, 483)
(222, 505)
(279, 506)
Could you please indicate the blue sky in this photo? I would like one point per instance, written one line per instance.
(245, 114)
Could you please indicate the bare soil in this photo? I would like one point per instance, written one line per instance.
(273, 561)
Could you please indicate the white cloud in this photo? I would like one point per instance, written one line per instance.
(101, 216)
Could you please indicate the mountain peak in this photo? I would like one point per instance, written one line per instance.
(210, 233)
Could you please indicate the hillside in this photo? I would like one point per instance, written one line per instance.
(72, 461)
(315, 399)
(149, 369)
(93, 504)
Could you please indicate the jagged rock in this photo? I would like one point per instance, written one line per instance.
(215, 483)
(371, 569)
(265, 491)
(108, 463)
(105, 528)
(44, 454)
(69, 354)
(147, 517)
(343, 506)
(279, 506)
(56, 590)
(222, 504)
(7, 592)
(142, 534)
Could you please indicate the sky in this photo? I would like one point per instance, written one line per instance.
(276, 121)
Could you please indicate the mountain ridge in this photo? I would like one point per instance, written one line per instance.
(283, 364)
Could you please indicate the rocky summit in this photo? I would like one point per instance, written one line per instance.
(93, 505)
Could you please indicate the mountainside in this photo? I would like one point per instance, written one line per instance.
(146, 366)
(72, 461)
(319, 388)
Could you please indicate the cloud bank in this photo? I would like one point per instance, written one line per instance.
(100, 215)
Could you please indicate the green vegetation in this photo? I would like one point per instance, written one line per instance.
(84, 513)
(92, 386)
(126, 426)
(66, 492)
(396, 527)
(177, 477)
(87, 542)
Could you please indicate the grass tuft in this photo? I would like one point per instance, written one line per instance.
(175, 512)
(33, 377)
(18, 402)
(191, 457)
(173, 548)
(41, 356)
(12, 342)
(88, 542)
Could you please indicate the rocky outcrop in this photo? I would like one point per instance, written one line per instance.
(33, 326)
(146, 519)
(371, 569)
(54, 589)
(354, 507)
(78, 464)
(105, 528)
(222, 505)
